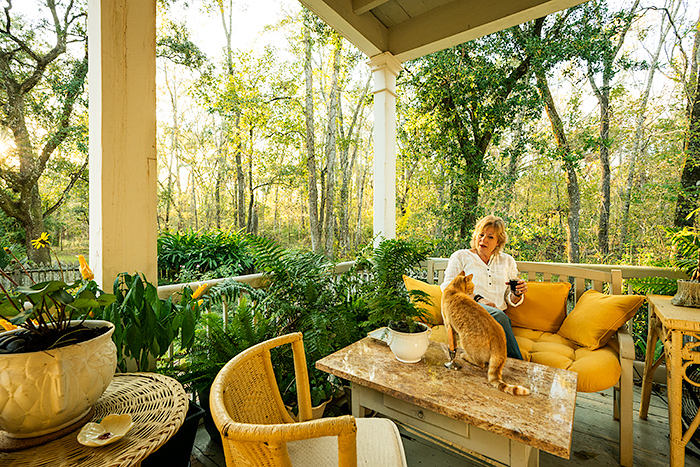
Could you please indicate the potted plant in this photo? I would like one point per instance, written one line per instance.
(55, 363)
(387, 301)
(145, 325)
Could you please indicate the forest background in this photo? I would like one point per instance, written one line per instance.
(581, 129)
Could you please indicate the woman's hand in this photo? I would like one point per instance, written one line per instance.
(520, 289)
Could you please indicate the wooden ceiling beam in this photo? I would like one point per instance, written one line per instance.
(361, 7)
(364, 31)
(464, 20)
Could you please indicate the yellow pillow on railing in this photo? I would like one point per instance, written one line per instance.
(597, 316)
(433, 315)
(544, 308)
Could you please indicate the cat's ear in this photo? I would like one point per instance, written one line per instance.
(461, 273)
(469, 277)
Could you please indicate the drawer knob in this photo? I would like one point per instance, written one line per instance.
(420, 414)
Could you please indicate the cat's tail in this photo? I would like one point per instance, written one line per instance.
(495, 378)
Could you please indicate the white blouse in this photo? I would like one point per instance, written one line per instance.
(489, 279)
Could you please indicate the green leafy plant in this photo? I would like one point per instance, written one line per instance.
(384, 293)
(216, 343)
(145, 325)
(201, 254)
(686, 246)
(45, 311)
(304, 294)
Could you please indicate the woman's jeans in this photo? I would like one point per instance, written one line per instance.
(504, 320)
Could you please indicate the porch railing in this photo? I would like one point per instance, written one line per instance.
(435, 267)
(67, 273)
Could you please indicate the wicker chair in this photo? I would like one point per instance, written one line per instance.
(257, 430)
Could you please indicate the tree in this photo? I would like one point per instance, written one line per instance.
(600, 39)
(467, 95)
(43, 83)
(690, 178)
(314, 222)
(664, 27)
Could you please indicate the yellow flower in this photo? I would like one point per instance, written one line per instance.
(85, 270)
(200, 301)
(7, 325)
(199, 292)
(42, 241)
(7, 250)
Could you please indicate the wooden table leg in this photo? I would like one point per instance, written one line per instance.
(649, 364)
(675, 391)
(358, 410)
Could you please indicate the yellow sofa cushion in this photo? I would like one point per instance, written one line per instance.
(597, 316)
(432, 309)
(544, 308)
(597, 369)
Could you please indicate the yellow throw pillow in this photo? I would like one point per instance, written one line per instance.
(433, 315)
(597, 316)
(544, 307)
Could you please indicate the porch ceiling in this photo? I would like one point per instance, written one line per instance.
(409, 29)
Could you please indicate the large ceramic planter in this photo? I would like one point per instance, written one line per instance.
(408, 347)
(43, 392)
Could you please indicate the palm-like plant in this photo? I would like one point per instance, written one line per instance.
(384, 293)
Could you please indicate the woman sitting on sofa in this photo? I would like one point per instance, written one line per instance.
(492, 270)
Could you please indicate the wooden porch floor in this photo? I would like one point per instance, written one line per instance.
(594, 441)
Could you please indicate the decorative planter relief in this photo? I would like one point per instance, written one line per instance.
(43, 392)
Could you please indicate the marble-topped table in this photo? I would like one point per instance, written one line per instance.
(461, 407)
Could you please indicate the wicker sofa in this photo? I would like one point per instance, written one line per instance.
(570, 323)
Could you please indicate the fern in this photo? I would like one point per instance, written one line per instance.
(654, 285)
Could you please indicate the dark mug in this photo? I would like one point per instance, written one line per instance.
(513, 284)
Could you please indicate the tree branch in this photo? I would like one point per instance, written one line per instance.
(73, 179)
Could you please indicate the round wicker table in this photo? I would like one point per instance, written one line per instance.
(157, 404)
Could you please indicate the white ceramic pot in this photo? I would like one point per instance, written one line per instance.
(43, 392)
(408, 347)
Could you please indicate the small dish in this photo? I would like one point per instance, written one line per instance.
(380, 334)
(110, 429)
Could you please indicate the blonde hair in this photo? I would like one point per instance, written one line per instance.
(499, 230)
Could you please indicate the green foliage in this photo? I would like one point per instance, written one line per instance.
(216, 344)
(654, 285)
(383, 293)
(686, 246)
(197, 254)
(144, 325)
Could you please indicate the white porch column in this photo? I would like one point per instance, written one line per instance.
(385, 68)
(123, 200)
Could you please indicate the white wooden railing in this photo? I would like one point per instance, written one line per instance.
(436, 264)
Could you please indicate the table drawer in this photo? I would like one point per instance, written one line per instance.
(453, 431)
(419, 414)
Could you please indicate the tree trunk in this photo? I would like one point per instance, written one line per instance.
(690, 177)
(603, 94)
(347, 163)
(310, 149)
(639, 128)
(333, 104)
(570, 170)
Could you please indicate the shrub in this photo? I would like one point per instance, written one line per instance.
(197, 255)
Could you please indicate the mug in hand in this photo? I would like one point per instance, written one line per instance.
(513, 284)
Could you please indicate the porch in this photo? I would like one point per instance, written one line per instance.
(595, 432)
(594, 440)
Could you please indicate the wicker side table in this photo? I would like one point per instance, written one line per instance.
(157, 405)
(671, 324)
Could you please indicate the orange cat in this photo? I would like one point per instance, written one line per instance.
(480, 335)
